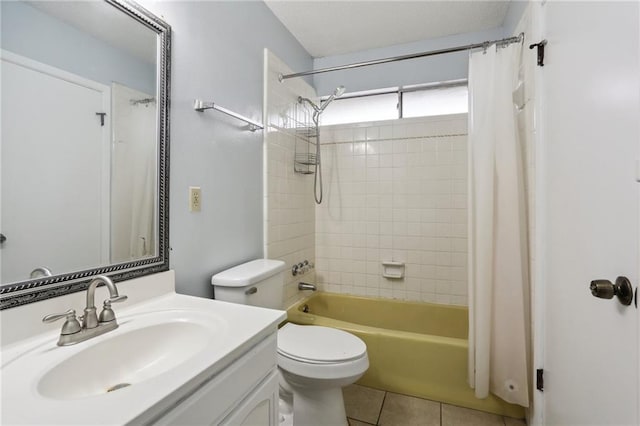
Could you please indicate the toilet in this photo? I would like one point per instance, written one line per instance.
(314, 362)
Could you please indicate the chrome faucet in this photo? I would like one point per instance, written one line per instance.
(92, 324)
(90, 319)
(306, 286)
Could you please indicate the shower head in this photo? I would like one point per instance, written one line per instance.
(318, 109)
(336, 94)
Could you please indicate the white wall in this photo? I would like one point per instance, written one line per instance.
(395, 190)
(217, 55)
(528, 136)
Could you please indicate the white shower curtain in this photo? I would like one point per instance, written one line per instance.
(498, 255)
(143, 154)
(134, 177)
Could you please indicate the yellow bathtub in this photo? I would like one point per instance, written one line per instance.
(417, 349)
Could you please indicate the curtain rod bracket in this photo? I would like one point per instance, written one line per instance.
(540, 47)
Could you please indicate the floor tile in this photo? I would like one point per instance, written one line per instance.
(508, 421)
(402, 410)
(458, 416)
(363, 403)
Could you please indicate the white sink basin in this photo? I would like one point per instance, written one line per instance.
(162, 351)
(132, 357)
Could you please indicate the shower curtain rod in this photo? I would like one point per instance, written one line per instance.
(484, 45)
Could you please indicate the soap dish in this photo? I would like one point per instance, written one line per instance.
(393, 270)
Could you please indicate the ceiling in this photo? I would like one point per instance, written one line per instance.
(326, 28)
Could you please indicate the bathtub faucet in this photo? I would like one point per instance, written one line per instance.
(306, 286)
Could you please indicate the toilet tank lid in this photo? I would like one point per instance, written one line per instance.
(248, 273)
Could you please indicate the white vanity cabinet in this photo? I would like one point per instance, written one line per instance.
(259, 408)
(244, 393)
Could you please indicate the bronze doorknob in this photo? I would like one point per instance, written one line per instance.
(605, 289)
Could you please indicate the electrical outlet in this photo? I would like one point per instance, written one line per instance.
(195, 198)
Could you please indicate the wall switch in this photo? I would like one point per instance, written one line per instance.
(195, 198)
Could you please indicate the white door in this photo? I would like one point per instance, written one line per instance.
(53, 170)
(590, 114)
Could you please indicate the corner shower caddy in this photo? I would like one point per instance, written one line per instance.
(306, 139)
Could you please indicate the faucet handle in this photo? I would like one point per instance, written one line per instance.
(71, 324)
(107, 314)
(71, 313)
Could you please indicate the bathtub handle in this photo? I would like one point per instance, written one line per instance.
(252, 290)
(301, 268)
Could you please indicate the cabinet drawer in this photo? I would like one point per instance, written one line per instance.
(217, 397)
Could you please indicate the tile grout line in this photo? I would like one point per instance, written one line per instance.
(381, 407)
(445, 135)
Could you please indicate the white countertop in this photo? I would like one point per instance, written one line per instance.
(24, 363)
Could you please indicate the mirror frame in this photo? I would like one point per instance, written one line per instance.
(29, 291)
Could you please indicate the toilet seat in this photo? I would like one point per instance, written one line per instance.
(319, 345)
(321, 352)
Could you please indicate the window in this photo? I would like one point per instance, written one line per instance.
(422, 103)
(360, 109)
(416, 101)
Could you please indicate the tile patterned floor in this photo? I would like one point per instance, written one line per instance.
(367, 406)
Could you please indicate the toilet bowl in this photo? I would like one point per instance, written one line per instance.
(315, 362)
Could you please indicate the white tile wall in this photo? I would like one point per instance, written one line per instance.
(395, 190)
(289, 206)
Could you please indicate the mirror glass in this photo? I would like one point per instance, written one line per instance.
(82, 141)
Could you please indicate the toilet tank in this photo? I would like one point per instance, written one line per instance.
(258, 283)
